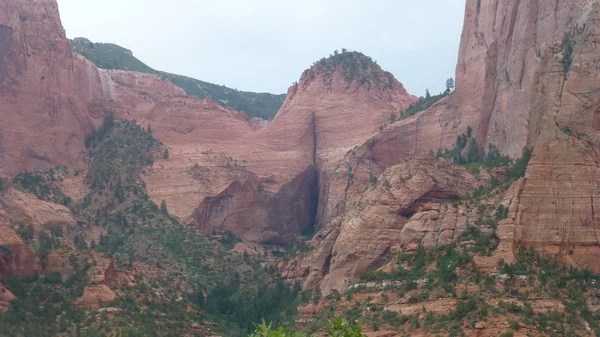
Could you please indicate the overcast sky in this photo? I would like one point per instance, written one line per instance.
(264, 45)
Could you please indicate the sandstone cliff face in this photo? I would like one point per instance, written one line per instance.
(404, 207)
(50, 98)
(324, 116)
(529, 70)
(42, 116)
(526, 76)
(559, 200)
(516, 86)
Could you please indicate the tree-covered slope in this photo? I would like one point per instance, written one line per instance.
(112, 56)
(186, 284)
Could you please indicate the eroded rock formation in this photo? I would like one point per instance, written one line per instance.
(397, 211)
(328, 113)
(5, 298)
(16, 257)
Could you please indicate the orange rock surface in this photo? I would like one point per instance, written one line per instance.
(95, 295)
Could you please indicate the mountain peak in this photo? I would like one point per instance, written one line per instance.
(352, 66)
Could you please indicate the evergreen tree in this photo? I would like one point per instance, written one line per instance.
(449, 85)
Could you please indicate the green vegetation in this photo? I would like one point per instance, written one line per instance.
(42, 185)
(261, 105)
(448, 271)
(492, 159)
(355, 66)
(111, 56)
(2, 185)
(44, 306)
(423, 104)
(567, 54)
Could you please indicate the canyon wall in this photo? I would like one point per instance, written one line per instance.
(43, 119)
(527, 76)
(537, 67)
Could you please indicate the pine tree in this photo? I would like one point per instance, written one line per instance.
(449, 85)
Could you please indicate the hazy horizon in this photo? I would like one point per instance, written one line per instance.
(264, 46)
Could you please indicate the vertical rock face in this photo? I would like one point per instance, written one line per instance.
(42, 118)
(340, 101)
(559, 200)
(529, 69)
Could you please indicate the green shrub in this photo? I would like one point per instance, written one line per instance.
(53, 278)
(567, 54)
(423, 104)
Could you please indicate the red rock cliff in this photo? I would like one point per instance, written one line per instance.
(43, 119)
(338, 103)
(526, 77)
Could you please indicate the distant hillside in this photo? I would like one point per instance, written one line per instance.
(112, 56)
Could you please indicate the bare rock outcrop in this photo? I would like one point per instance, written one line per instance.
(402, 208)
(100, 272)
(526, 77)
(26, 208)
(529, 68)
(5, 298)
(95, 296)
(16, 257)
(42, 114)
